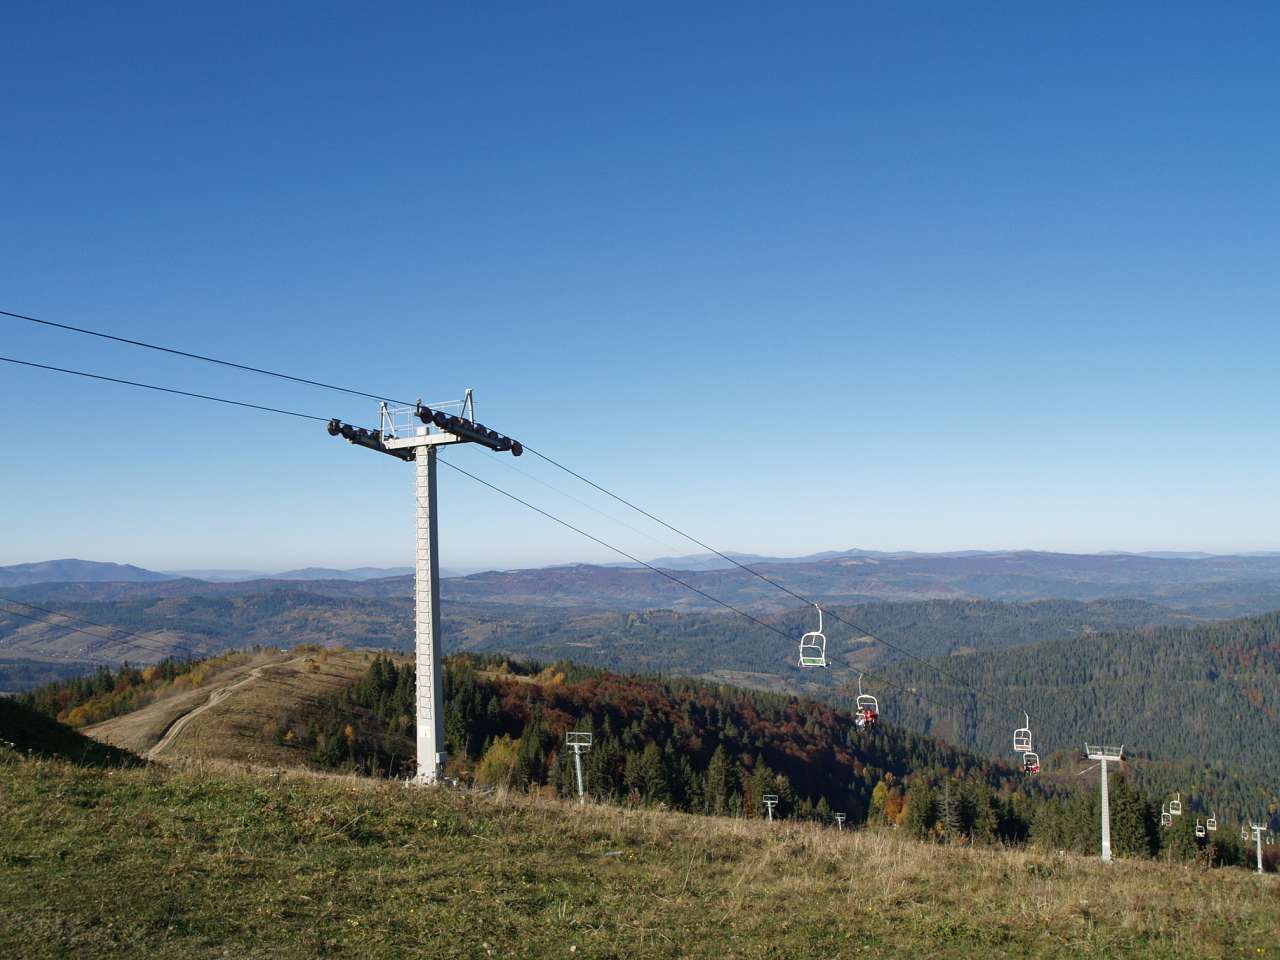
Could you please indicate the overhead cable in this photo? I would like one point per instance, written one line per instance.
(670, 576)
(196, 356)
(152, 386)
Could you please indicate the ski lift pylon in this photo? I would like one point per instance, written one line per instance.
(813, 645)
(1022, 737)
(868, 708)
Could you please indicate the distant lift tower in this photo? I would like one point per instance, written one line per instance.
(412, 433)
(579, 741)
(1257, 830)
(770, 801)
(1105, 755)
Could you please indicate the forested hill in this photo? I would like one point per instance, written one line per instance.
(729, 647)
(690, 745)
(683, 743)
(1198, 707)
(673, 743)
(720, 645)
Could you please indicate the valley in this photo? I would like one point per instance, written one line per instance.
(1193, 697)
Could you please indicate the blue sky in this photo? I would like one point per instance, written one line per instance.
(893, 276)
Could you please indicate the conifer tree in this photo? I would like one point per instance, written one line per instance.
(922, 811)
(949, 812)
(1132, 825)
(983, 817)
(720, 783)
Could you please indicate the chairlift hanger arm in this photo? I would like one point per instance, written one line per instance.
(469, 430)
(399, 436)
(365, 438)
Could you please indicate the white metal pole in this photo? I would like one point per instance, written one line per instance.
(1106, 816)
(577, 765)
(430, 692)
(1257, 839)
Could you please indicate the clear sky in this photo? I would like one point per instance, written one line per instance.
(895, 276)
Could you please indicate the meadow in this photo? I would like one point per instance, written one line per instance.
(221, 859)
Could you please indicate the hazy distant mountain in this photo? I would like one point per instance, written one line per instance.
(305, 573)
(76, 571)
(88, 571)
(1216, 586)
(710, 561)
(324, 573)
(219, 576)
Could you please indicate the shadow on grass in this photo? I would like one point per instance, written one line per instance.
(32, 732)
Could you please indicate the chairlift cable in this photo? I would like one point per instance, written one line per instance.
(199, 356)
(546, 458)
(152, 386)
(669, 576)
(617, 550)
(582, 503)
(755, 573)
(267, 409)
(316, 383)
(361, 393)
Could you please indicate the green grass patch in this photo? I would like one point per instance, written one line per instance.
(153, 863)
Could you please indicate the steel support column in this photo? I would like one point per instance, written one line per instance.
(430, 692)
(1106, 816)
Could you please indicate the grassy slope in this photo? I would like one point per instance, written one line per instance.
(42, 736)
(248, 703)
(158, 863)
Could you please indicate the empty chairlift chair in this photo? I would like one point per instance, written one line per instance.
(813, 645)
(1166, 818)
(1212, 823)
(867, 714)
(1175, 805)
(1022, 737)
(1022, 745)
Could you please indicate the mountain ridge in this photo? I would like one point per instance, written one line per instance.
(72, 570)
(1215, 587)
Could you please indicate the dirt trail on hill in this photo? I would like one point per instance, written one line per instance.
(216, 697)
(236, 716)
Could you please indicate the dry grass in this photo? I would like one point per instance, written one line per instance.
(223, 859)
(244, 706)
